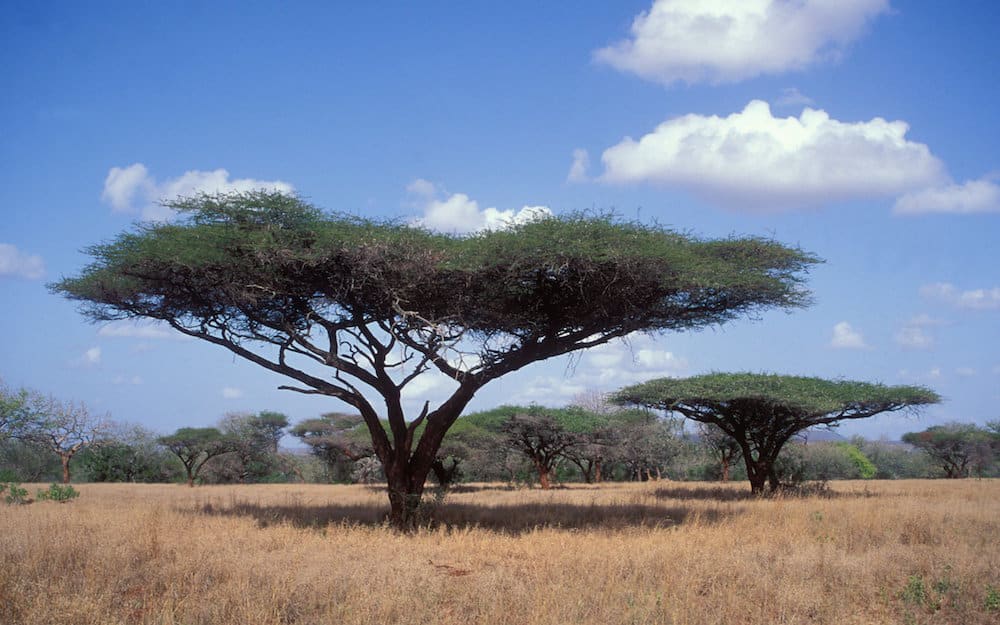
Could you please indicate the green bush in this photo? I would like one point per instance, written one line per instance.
(58, 492)
(14, 493)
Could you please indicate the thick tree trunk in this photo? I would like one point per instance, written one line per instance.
(190, 480)
(406, 482)
(543, 477)
(725, 470)
(772, 479)
(598, 477)
(65, 458)
(757, 474)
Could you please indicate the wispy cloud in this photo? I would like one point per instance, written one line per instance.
(139, 330)
(605, 368)
(578, 170)
(973, 299)
(18, 264)
(791, 96)
(915, 332)
(231, 392)
(970, 197)
(88, 359)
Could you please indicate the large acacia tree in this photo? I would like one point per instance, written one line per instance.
(356, 309)
(761, 412)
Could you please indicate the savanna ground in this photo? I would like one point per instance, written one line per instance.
(660, 552)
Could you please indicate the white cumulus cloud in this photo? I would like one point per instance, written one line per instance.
(133, 190)
(973, 299)
(719, 41)
(846, 336)
(755, 160)
(460, 213)
(17, 264)
(973, 196)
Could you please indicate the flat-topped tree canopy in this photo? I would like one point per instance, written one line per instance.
(281, 283)
(763, 411)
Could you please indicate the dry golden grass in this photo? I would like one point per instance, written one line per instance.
(667, 552)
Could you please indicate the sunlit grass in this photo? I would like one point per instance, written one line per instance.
(661, 552)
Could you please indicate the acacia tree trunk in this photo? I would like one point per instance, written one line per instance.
(757, 480)
(598, 477)
(406, 482)
(543, 475)
(65, 458)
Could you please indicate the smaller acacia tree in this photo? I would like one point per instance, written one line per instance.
(955, 447)
(761, 412)
(196, 446)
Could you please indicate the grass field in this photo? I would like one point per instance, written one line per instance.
(662, 552)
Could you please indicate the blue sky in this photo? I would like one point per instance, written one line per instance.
(863, 131)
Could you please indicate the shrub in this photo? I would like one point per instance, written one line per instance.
(15, 495)
(58, 492)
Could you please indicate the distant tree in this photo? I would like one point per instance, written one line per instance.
(196, 446)
(126, 453)
(646, 444)
(597, 426)
(763, 411)
(17, 411)
(254, 439)
(27, 460)
(539, 435)
(66, 428)
(337, 439)
(721, 446)
(543, 436)
(955, 447)
(289, 288)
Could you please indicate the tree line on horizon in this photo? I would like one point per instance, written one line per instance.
(591, 440)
